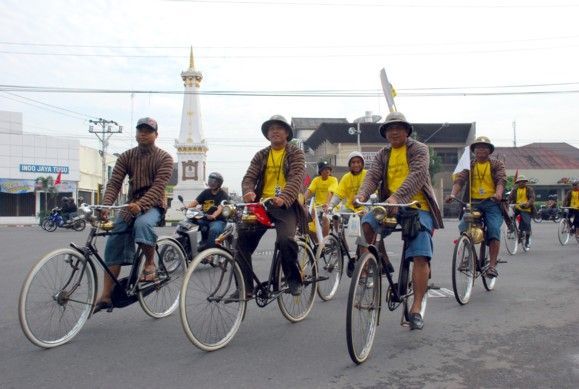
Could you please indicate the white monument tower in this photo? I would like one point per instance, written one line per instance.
(191, 145)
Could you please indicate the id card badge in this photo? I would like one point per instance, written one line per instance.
(481, 191)
(277, 191)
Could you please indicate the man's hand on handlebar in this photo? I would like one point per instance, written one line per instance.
(277, 202)
(134, 208)
(104, 214)
(249, 197)
(392, 210)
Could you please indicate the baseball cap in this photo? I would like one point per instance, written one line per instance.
(149, 122)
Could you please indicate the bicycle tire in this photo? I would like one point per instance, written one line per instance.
(330, 261)
(297, 308)
(510, 239)
(161, 298)
(488, 282)
(59, 314)
(564, 231)
(363, 308)
(463, 270)
(199, 308)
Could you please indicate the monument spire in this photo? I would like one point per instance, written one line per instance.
(191, 60)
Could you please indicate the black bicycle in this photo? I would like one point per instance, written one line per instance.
(565, 227)
(364, 298)
(513, 236)
(213, 296)
(468, 262)
(59, 293)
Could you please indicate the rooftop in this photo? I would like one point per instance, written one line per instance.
(539, 156)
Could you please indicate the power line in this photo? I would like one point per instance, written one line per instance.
(50, 105)
(332, 94)
(288, 47)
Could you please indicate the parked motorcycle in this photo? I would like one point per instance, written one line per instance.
(545, 213)
(55, 220)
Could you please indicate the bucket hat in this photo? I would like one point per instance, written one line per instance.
(482, 140)
(355, 154)
(395, 118)
(521, 178)
(277, 119)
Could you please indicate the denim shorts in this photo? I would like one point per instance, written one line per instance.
(120, 249)
(493, 218)
(420, 246)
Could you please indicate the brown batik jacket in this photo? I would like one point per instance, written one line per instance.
(418, 178)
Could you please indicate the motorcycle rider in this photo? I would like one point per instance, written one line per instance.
(68, 209)
(210, 200)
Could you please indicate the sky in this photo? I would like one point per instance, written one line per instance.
(489, 62)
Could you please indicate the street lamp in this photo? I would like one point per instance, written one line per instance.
(368, 118)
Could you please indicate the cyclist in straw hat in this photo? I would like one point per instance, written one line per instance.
(485, 186)
(524, 197)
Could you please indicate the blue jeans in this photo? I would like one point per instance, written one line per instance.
(493, 218)
(210, 230)
(420, 246)
(120, 248)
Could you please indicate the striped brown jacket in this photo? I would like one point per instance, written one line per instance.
(149, 170)
(418, 178)
(294, 169)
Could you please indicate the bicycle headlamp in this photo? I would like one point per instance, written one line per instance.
(228, 210)
(190, 213)
(379, 213)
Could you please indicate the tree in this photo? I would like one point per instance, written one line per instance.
(435, 164)
(46, 184)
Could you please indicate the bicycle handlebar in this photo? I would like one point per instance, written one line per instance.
(387, 205)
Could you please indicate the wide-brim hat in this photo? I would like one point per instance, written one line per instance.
(277, 119)
(482, 140)
(521, 178)
(395, 118)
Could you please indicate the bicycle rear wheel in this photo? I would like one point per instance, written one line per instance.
(363, 308)
(330, 265)
(488, 282)
(296, 308)
(510, 238)
(57, 298)
(161, 297)
(564, 231)
(79, 225)
(213, 301)
(463, 270)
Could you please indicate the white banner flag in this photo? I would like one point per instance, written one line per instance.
(463, 162)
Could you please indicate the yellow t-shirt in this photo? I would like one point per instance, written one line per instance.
(348, 188)
(321, 188)
(397, 172)
(482, 184)
(522, 198)
(575, 199)
(274, 175)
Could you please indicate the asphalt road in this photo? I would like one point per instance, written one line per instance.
(523, 334)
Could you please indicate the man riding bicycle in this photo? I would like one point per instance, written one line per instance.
(210, 199)
(276, 172)
(348, 189)
(572, 201)
(485, 186)
(322, 187)
(149, 169)
(524, 198)
(400, 170)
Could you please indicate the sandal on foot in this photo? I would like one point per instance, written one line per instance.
(491, 272)
(103, 304)
(149, 276)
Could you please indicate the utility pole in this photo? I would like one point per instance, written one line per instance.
(514, 133)
(106, 130)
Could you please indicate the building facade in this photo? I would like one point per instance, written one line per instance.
(30, 165)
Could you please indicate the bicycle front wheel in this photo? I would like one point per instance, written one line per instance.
(57, 298)
(564, 231)
(363, 308)
(510, 238)
(213, 300)
(330, 266)
(296, 308)
(79, 225)
(49, 225)
(463, 270)
(161, 297)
